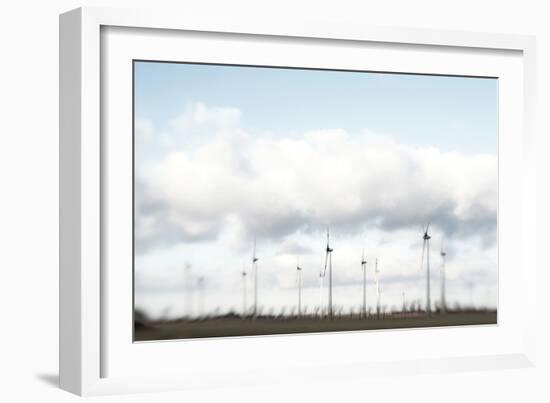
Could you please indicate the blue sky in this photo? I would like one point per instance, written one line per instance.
(451, 113)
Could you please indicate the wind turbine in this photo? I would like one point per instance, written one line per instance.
(426, 250)
(299, 284)
(377, 279)
(188, 311)
(255, 269)
(471, 293)
(443, 255)
(328, 263)
(243, 275)
(364, 269)
(200, 287)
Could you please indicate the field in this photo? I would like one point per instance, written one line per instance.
(232, 325)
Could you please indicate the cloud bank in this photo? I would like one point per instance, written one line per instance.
(213, 178)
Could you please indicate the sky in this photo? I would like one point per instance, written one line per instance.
(228, 154)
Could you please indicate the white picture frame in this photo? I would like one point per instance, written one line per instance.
(92, 334)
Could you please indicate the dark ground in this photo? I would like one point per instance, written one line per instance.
(232, 325)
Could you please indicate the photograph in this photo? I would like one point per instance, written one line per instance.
(273, 200)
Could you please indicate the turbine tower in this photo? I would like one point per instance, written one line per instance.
(443, 302)
(364, 269)
(299, 284)
(321, 277)
(200, 287)
(470, 285)
(255, 270)
(187, 287)
(328, 263)
(376, 271)
(243, 275)
(426, 251)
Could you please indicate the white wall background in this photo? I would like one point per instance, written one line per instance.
(29, 186)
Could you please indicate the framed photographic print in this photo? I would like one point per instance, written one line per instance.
(234, 192)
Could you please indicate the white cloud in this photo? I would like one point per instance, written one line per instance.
(197, 118)
(272, 187)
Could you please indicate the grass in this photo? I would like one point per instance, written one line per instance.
(232, 325)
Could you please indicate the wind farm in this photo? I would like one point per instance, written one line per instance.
(327, 315)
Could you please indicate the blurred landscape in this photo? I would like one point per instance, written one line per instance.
(231, 325)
